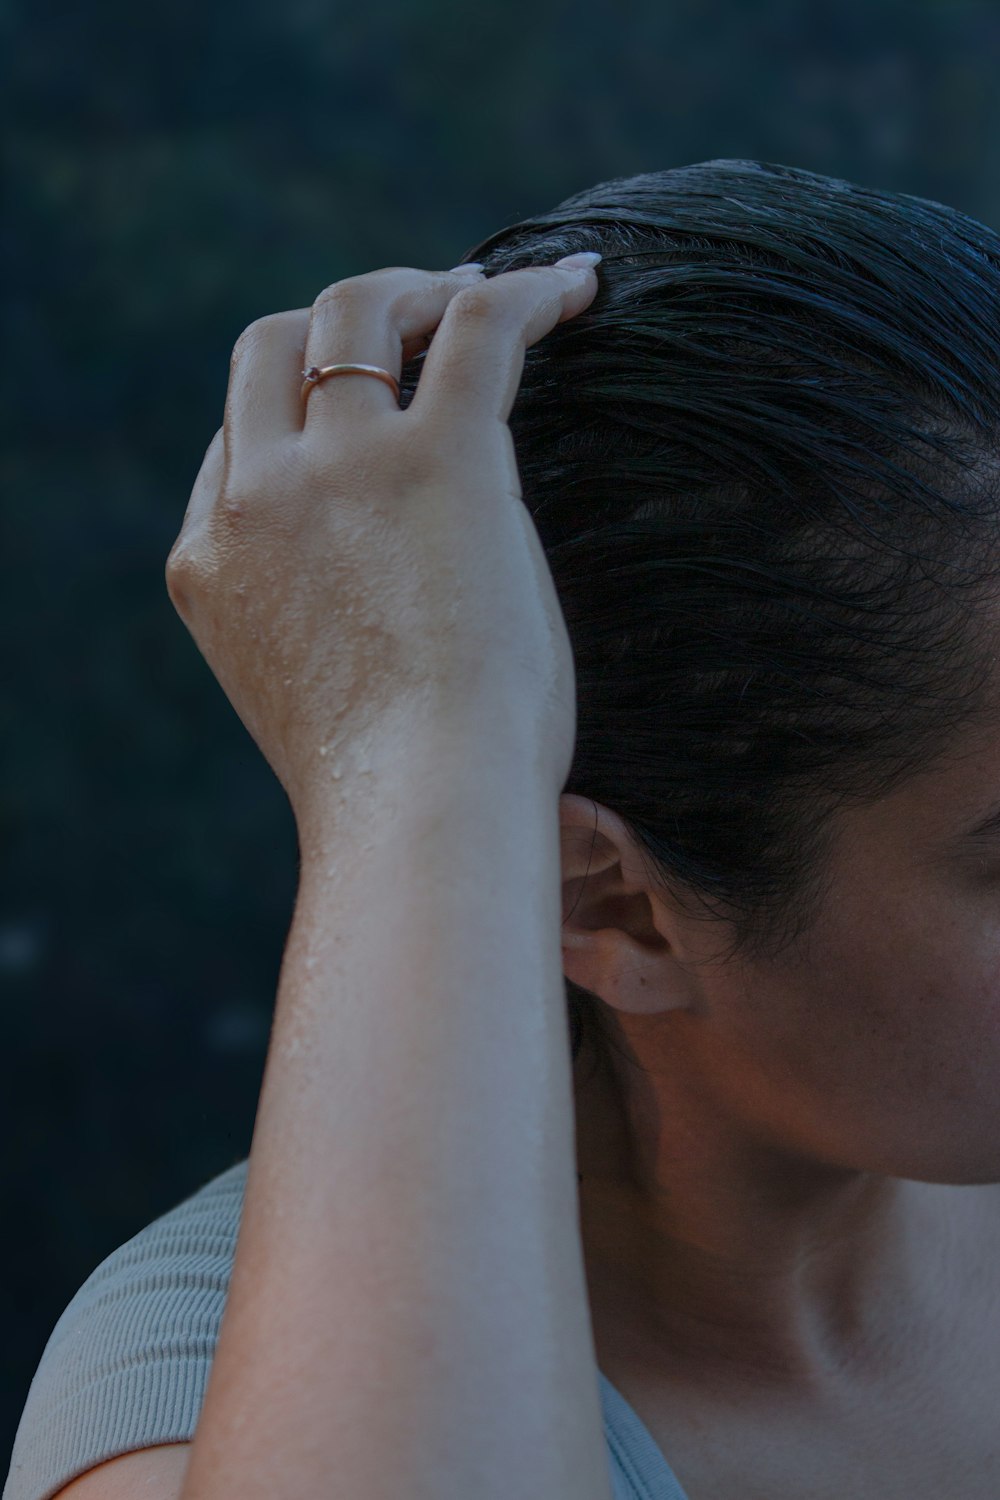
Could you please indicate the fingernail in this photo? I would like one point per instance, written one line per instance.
(582, 258)
(469, 265)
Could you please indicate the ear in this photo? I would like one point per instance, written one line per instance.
(619, 938)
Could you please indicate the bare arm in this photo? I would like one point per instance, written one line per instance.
(408, 1312)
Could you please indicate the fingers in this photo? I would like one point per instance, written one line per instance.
(473, 368)
(369, 320)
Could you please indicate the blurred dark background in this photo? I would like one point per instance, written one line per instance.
(173, 173)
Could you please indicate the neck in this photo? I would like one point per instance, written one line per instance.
(729, 1258)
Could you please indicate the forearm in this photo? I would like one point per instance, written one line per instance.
(407, 1317)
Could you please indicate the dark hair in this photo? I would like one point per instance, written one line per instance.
(762, 464)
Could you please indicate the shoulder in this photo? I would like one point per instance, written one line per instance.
(127, 1363)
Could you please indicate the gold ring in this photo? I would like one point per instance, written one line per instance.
(316, 373)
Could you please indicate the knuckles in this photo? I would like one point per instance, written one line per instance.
(338, 294)
(176, 576)
(476, 302)
(474, 305)
(256, 332)
(248, 340)
(355, 291)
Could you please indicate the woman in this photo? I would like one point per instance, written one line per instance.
(731, 700)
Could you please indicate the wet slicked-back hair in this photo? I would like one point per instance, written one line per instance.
(762, 464)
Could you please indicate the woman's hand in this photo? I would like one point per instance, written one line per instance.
(342, 562)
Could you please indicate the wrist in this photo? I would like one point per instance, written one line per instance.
(412, 775)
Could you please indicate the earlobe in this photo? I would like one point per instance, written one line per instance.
(606, 964)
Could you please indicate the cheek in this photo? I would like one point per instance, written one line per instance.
(935, 981)
(886, 1048)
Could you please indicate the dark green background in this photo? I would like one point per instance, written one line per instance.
(174, 172)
